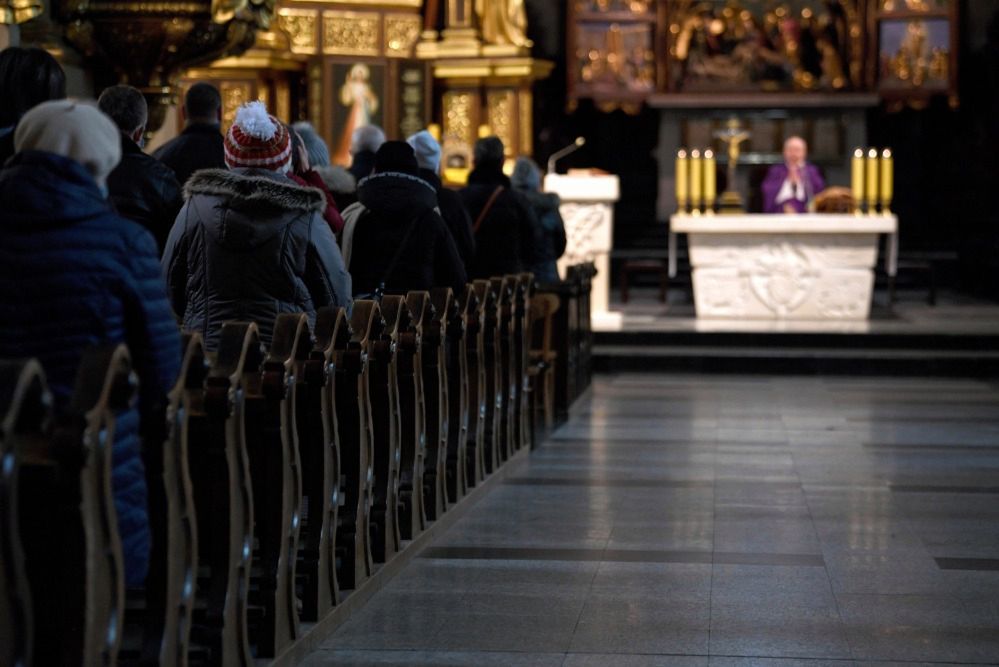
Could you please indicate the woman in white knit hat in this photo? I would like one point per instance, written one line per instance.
(250, 243)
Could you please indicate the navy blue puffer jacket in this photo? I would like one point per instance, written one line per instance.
(73, 274)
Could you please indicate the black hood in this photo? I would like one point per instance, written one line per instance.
(396, 195)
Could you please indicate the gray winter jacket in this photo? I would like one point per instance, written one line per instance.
(249, 245)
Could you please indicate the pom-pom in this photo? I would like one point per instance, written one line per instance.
(253, 120)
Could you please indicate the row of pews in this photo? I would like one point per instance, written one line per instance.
(281, 478)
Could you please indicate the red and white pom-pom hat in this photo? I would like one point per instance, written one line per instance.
(257, 140)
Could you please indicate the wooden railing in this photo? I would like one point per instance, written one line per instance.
(282, 478)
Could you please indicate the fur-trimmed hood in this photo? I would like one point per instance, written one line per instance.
(247, 188)
(337, 179)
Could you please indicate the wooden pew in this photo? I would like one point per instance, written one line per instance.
(456, 365)
(433, 358)
(521, 348)
(319, 443)
(391, 361)
(412, 397)
(275, 466)
(68, 525)
(26, 407)
(168, 596)
(488, 296)
(543, 356)
(353, 411)
(505, 287)
(223, 492)
(473, 315)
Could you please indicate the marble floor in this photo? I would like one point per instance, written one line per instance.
(713, 520)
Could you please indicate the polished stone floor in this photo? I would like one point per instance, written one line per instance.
(710, 520)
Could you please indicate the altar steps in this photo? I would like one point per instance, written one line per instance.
(956, 355)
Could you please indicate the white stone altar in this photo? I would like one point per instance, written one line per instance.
(785, 267)
(588, 211)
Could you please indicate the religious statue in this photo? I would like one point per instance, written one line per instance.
(503, 22)
(733, 135)
(13, 12)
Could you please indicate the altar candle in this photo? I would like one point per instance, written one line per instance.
(872, 179)
(857, 178)
(710, 186)
(696, 178)
(681, 180)
(887, 179)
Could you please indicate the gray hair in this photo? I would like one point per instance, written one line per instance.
(489, 151)
(319, 153)
(366, 138)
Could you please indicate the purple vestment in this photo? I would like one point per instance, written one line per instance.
(775, 180)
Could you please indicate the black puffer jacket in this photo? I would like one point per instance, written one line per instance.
(455, 217)
(508, 239)
(394, 202)
(144, 190)
(249, 245)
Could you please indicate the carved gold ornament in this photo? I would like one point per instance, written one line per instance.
(300, 24)
(351, 33)
(401, 33)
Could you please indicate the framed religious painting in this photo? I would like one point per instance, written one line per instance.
(355, 95)
(917, 48)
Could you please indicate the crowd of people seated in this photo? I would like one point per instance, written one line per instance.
(103, 243)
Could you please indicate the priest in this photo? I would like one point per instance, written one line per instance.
(791, 187)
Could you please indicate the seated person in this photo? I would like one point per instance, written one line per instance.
(250, 243)
(74, 274)
(791, 187)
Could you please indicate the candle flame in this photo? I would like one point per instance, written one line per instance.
(858, 153)
(873, 153)
(695, 154)
(708, 154)
(681, 154)
(886, 153)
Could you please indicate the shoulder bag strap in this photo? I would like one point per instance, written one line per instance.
(485, 209)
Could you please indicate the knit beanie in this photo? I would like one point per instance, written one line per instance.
(257, 140)
(77, 131)
(526, 174)
(428, 151)
(396, 156)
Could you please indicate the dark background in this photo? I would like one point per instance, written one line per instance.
(947, 160)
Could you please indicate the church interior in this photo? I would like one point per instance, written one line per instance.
(689, 356)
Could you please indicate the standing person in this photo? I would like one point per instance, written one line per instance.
(526, 179)
(250, 243)
(73, 274)
(28, 77)
(303, 174)
(428, 157)
(200, 145)
(142, 188)
(399, 240)
(791, 187)
(505, 226)
(339, 182)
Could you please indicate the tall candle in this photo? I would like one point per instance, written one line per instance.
(857, 178)
(887, 179)
(696, 179)
(710, 185)
(681, 180)
(872, 179)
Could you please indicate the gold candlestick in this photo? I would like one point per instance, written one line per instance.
(681, 181)
(857, 180)
(887, 180)
(710, 182)
(696, 176)
(872, 181)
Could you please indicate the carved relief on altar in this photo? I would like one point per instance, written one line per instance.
(458, 135)
(301, 27)
(526, 122)
(234, 95)
(351, 33)
(401, 34)
(501, 109)
(588, 231)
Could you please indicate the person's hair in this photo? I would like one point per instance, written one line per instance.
(125, 105)
(795, 137)
(366, 138)
(296, 147)
(319, 153)
(202, 102)
(488, 152)
(28, 77)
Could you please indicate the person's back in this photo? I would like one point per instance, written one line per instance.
(73, 274)
(526, 179)
(142, 188)
(200, 145)
(399, 224)
(506, 228)
(28, 77)
(249, 243)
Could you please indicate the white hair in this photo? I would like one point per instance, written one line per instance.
(366, 138)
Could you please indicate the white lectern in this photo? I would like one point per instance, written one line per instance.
(588, 211)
